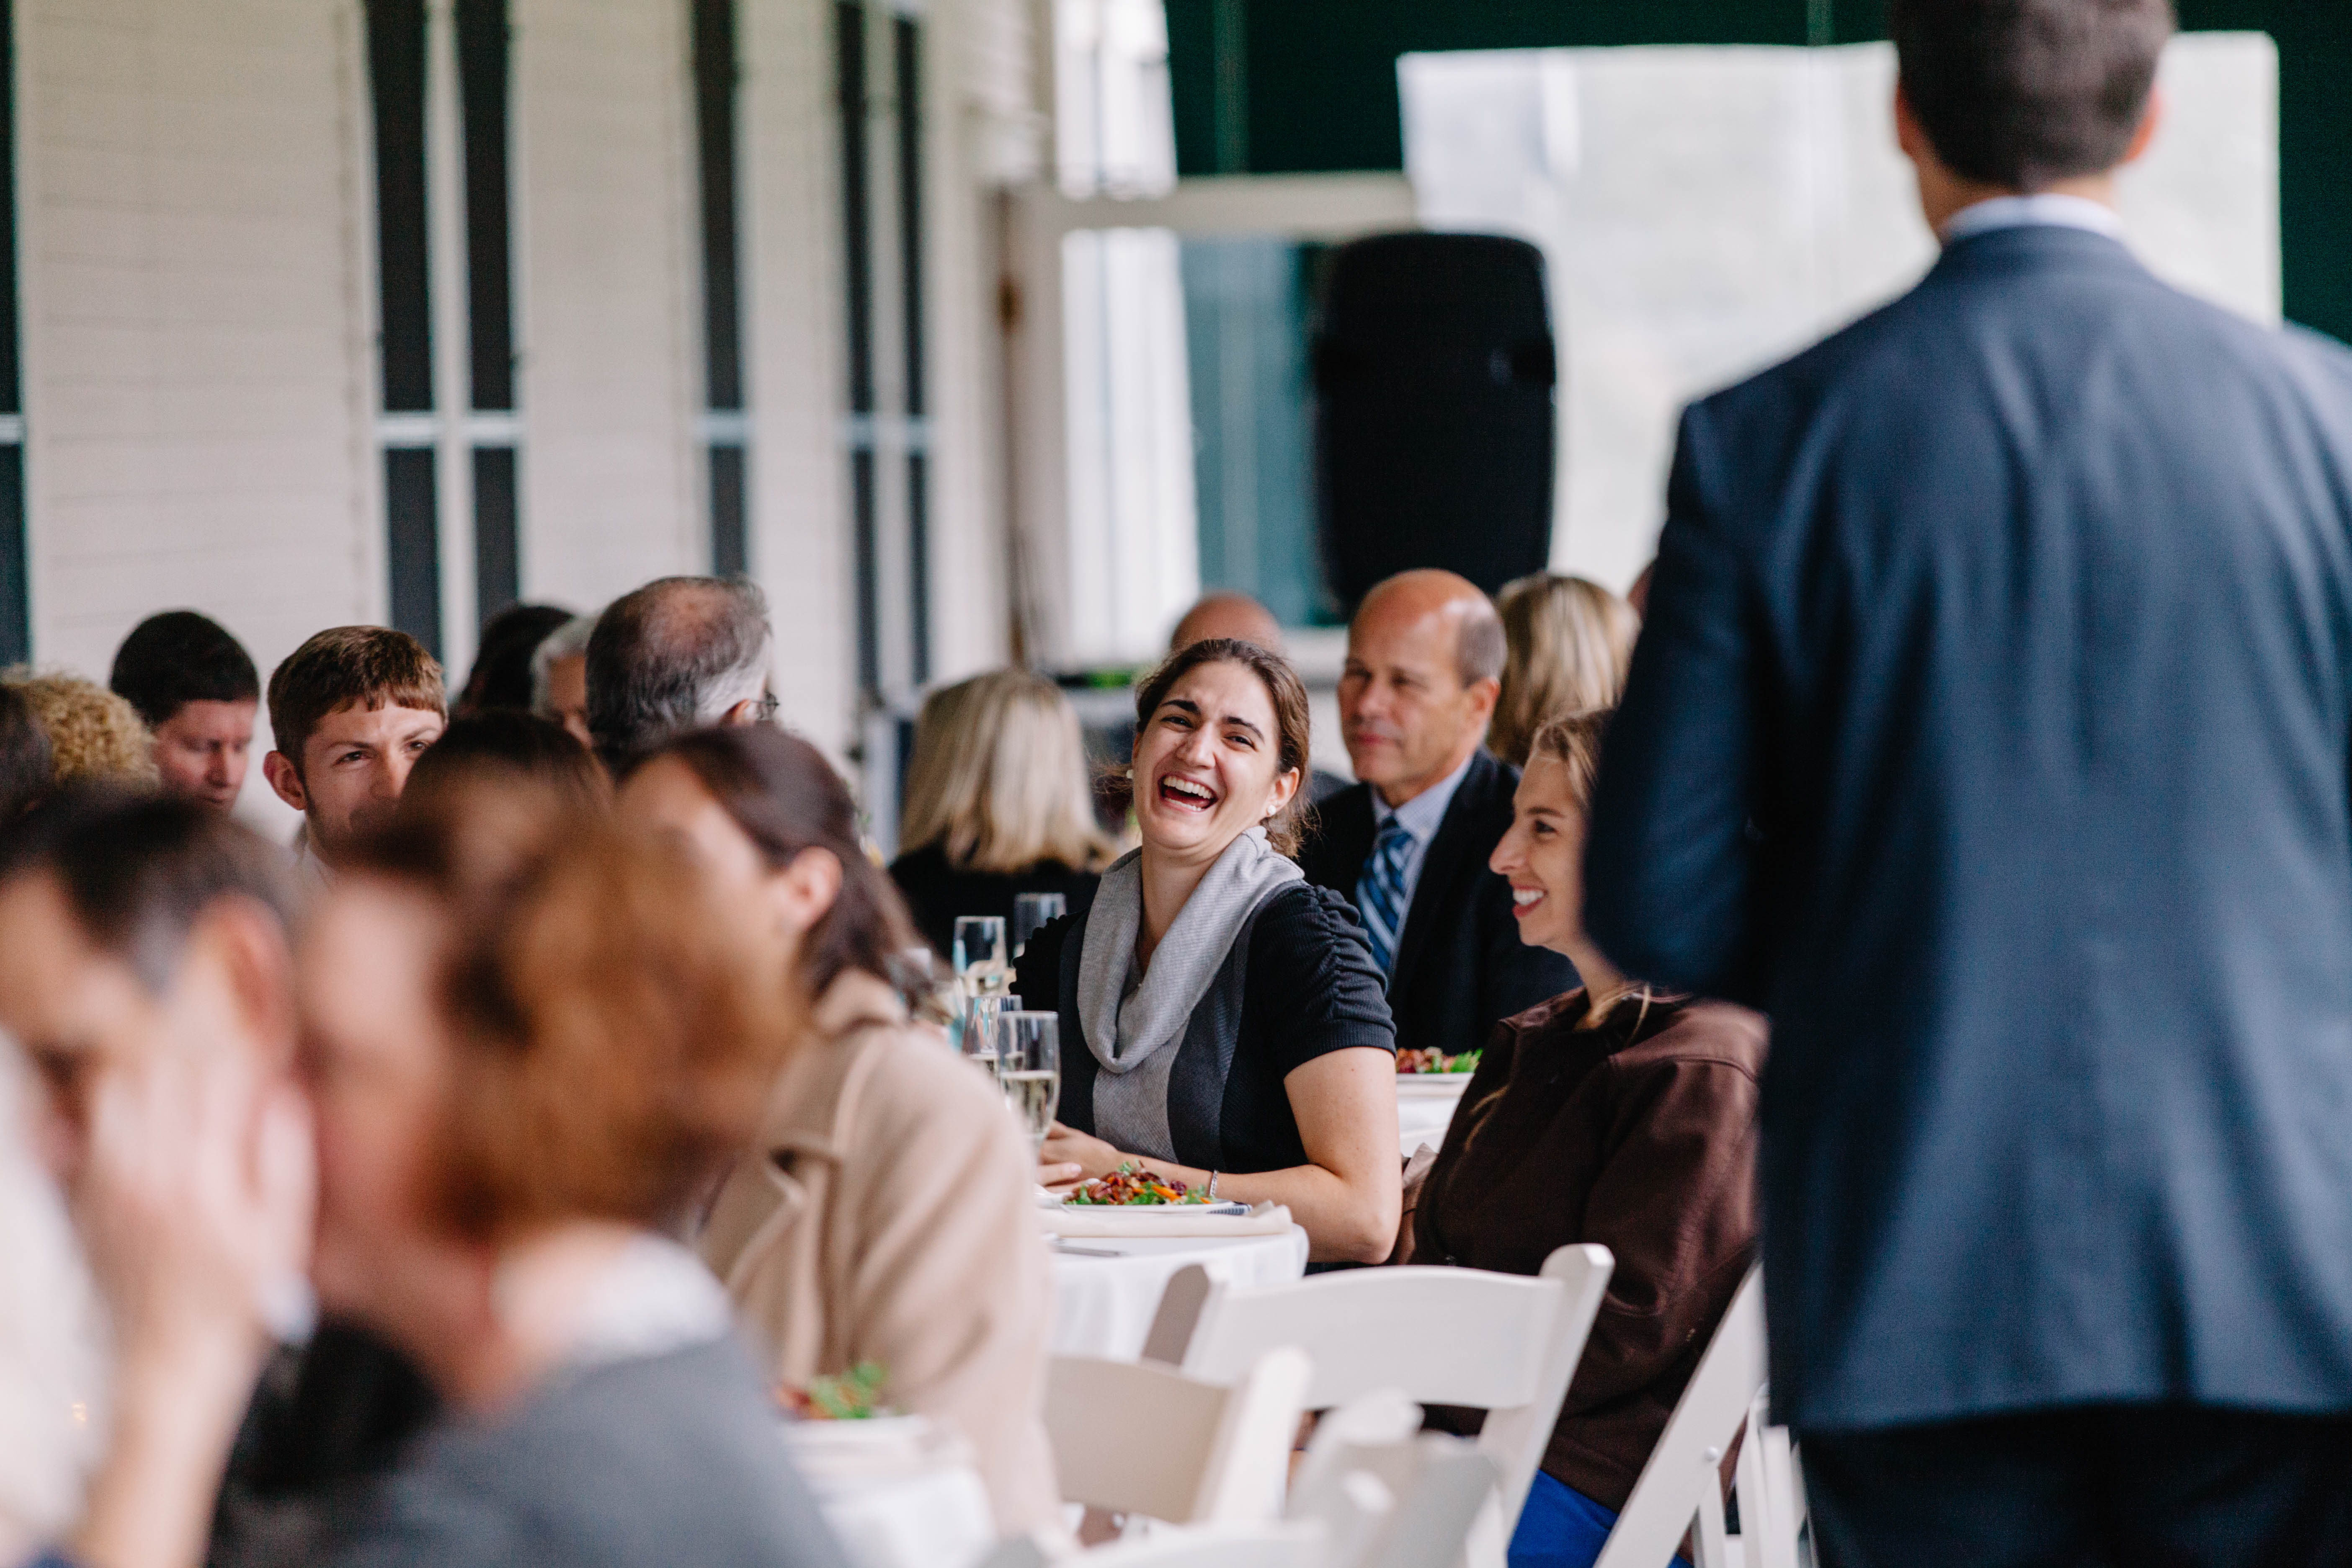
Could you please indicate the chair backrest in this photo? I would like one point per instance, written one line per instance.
(1136, 1439)
(1683, 1480)
(1504, 1343)
(1388, 1494)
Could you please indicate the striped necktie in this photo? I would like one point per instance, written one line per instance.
(1380, 892)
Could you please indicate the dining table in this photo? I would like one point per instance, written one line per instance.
(1106, 1289)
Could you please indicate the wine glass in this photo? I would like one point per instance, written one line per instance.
(980, 954)
(1030, 910)
(977, 1039)
(1029, 1065)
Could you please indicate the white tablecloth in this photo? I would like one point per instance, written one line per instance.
(1425, 1107)
(1104, 1306)
(911, 1500)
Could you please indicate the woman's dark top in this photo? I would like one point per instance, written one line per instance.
(1639, 1135)
(1306, 986)
(936, 892)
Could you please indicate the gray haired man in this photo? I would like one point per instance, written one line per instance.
(678, 653)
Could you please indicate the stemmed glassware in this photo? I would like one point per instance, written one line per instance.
(1029, 1065)
(978, 1039)
(979, 955)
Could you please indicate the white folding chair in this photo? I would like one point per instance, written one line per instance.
(1139, 1440)
(1388, 1494)
(1680, 1488)
(1505, 1344)
(1254, 1543)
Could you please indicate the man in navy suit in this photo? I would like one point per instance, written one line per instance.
(1989, 731)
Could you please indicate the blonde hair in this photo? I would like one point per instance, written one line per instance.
(92, 733)
(999, 778)
(1567, 644)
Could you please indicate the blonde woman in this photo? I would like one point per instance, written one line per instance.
(998, 803)
(1567, 644)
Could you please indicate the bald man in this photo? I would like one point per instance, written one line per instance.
(1409, 843)
(1226, 614)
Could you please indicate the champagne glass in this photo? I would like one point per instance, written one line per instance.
(978, 1039)
(1029, 1065)
(1030, 910)
(980, 953)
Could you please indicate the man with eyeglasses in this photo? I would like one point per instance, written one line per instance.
(681, 653)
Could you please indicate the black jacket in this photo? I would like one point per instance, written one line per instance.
(1461, 968)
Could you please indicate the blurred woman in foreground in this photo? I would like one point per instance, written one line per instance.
(997, 804)
(1610, 1114)
(529, 1040)
(883, 1212)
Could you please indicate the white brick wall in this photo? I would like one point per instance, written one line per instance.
(197, 370)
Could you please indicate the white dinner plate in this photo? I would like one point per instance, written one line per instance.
(1431, 1085)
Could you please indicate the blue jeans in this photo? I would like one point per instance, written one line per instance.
(1562, 1528)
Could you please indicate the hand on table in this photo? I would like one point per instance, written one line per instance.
(1070, 1157)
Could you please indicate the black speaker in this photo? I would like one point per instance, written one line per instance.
(1434, 425)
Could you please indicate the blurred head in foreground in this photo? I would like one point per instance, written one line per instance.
(521, 1026)
(766, 817)
(507, 745)
(1566, 643)
(195, 688)
(93, 734)
(351, 710)
(131, 923)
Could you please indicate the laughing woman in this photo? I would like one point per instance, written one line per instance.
(1221, 1018)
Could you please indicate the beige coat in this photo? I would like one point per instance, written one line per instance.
(888, 1217)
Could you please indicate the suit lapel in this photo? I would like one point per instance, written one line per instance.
(1450, 857)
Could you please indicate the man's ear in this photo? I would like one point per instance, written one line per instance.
(246, 947)
(1908, 136)
(1484, 694)
(285, 779)
(2150, 118)
(744, 712)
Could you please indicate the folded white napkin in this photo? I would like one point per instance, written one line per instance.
(1172, 1219)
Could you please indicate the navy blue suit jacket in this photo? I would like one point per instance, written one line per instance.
(1989, 731)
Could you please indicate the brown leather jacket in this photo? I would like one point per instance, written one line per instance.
(887, 1217)
(1639, 1135)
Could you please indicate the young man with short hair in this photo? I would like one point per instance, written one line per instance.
(351, 709)
(196, 687)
